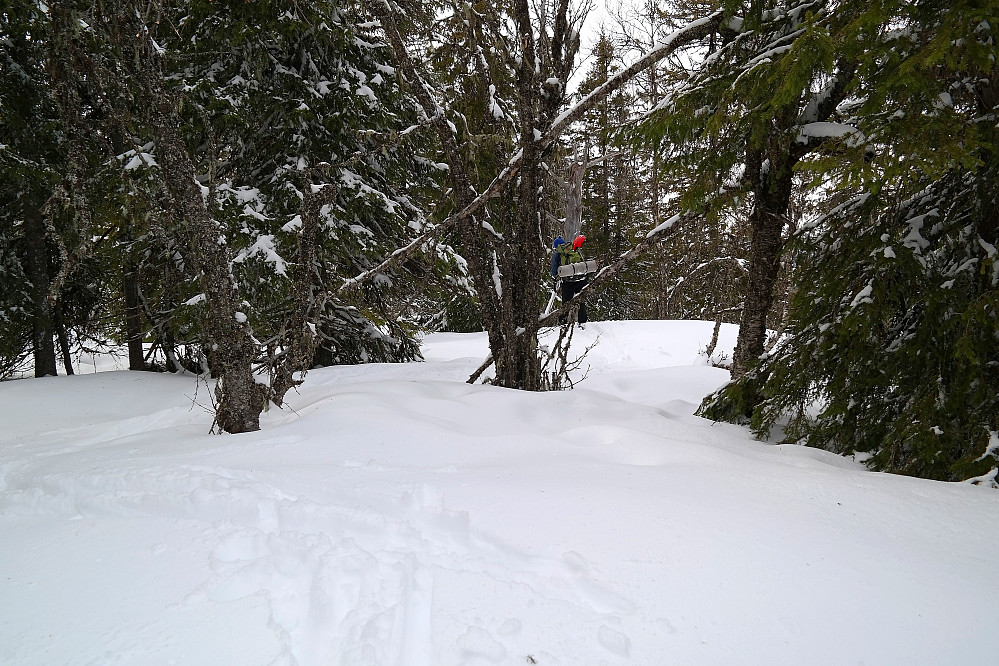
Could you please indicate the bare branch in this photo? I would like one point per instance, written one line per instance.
(695, 30)
(606, 273)
(482, 368)
(656, 235)
(404, 253)
(690, 33)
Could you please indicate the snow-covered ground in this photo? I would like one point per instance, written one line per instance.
(398, 516)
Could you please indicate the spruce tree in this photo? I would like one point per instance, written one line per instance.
(894, 327)
(613, 188)
(53, 290)
(739, 126)
(235, 162)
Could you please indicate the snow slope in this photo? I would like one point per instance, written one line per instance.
(398, 516)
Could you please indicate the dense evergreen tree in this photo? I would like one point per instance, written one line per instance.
(53, 290)
(238, 160)
(221, 180)
(614, 187)
(289, 102)
(507, 66)
(894, 327)
(742, 122)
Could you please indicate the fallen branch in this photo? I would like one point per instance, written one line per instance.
(482, 368)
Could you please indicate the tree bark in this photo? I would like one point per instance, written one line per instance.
(300, 336)
(63, 337)
(574, 195)
(770, 168)
(43, 327)
(987, 185)
(133, 322)
(239, 400)
(517, 364)
(767, 221)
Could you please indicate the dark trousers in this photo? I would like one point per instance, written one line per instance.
(569, 289)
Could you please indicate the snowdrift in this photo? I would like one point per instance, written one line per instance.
(396, 516)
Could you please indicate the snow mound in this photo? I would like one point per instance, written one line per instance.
(395, 515)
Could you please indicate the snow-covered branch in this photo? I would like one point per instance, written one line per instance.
(676, 40)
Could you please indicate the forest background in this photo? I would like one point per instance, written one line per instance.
(252, 189)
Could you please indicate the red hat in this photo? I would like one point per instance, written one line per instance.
(578, 242)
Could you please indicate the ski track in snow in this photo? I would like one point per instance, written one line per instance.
(604, 525)
(334, 575)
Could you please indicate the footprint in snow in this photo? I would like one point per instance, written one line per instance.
(477, 642)
(614, 641)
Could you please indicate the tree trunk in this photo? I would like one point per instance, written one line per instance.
(43, 327)
(133, 322)
(574, 195)
(987, 185)
(767, 221)
(771, 169)
(239, 400)
(63, 337)
(301, 339)
(517, 364)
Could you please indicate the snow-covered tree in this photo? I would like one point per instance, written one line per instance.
(537, 45)
(751, 110)
(51, 288)
(285, 104)
(240, 160)
(894, 325)
(614, 185)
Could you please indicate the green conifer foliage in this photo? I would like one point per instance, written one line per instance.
(51, 285)
(281, 103)
(277, 103)
(893, 347)
(613, 187)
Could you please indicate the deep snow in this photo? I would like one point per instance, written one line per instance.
(398, 516)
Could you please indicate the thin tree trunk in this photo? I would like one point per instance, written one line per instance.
(574, 195)
(170, 352)
(477, 247)
(239, 399)
(63, 337)
(301, 339)
(517, 364)
(133, 322)
(43, 327)
(987, 185)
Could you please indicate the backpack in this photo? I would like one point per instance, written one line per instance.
(568, 255)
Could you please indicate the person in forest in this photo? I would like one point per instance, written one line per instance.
(564, 254)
